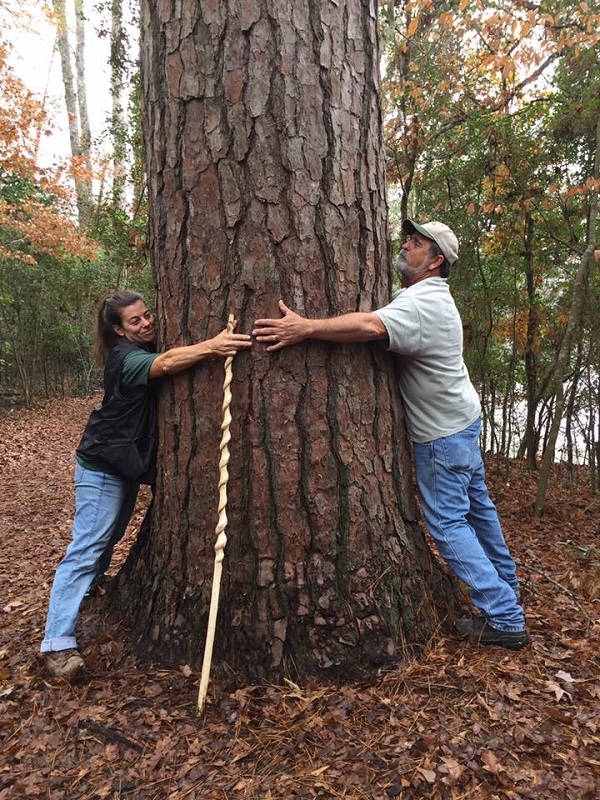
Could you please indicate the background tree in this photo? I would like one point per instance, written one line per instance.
(586, 123)
(479, 130)
(35, 236)
(51, 270)
(118, 59)
(266, 180)
(470, 110)
(51, 274)
(75, 91)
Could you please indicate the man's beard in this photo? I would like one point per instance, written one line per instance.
(404, 270)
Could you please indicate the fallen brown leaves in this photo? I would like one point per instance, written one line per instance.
(463, 722)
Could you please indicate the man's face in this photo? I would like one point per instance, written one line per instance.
(415, 259)
(137, 323)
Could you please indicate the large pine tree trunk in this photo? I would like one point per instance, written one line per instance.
(266, 180)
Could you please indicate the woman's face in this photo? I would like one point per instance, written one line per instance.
(137, 323)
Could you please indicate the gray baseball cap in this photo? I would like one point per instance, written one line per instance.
(441, 234)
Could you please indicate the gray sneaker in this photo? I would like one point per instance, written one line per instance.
(479, 631)
(64, 663)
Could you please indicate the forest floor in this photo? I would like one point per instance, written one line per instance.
(463, 722)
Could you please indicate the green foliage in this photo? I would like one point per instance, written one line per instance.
(46, 321)
(14, 189)
(123, 248)
(51, 274)
(48, 307)
(122, 232)
(490, 116)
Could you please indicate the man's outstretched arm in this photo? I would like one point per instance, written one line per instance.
(291, 328)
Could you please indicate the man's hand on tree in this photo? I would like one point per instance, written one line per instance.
(290, 329)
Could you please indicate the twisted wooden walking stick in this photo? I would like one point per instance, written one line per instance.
(221, 540)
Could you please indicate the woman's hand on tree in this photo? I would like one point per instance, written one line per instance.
(227, 344)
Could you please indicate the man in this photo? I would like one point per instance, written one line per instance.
(422, 327)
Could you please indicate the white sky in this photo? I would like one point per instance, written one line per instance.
(37, 63)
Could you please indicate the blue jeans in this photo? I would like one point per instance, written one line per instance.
(103, 507)
(463, 521)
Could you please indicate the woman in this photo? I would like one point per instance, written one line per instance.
(117, 453)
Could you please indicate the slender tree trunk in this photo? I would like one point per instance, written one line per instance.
(266, 180)
(79, 133)
(596, 439)
(68, 78)
(530, 348)
(591, 427)
(85, 142)
(570, 443)
(118, 122)
(411, 146)
(577, 302)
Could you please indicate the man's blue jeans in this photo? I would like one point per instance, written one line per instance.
(463, 521)
(103, 507)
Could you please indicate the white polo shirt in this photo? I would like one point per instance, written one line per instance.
(425, 333)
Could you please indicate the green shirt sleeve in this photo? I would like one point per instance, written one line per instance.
(135, 369)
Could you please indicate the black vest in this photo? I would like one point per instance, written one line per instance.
(121, 432)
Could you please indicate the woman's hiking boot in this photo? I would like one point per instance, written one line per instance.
(64, 663)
